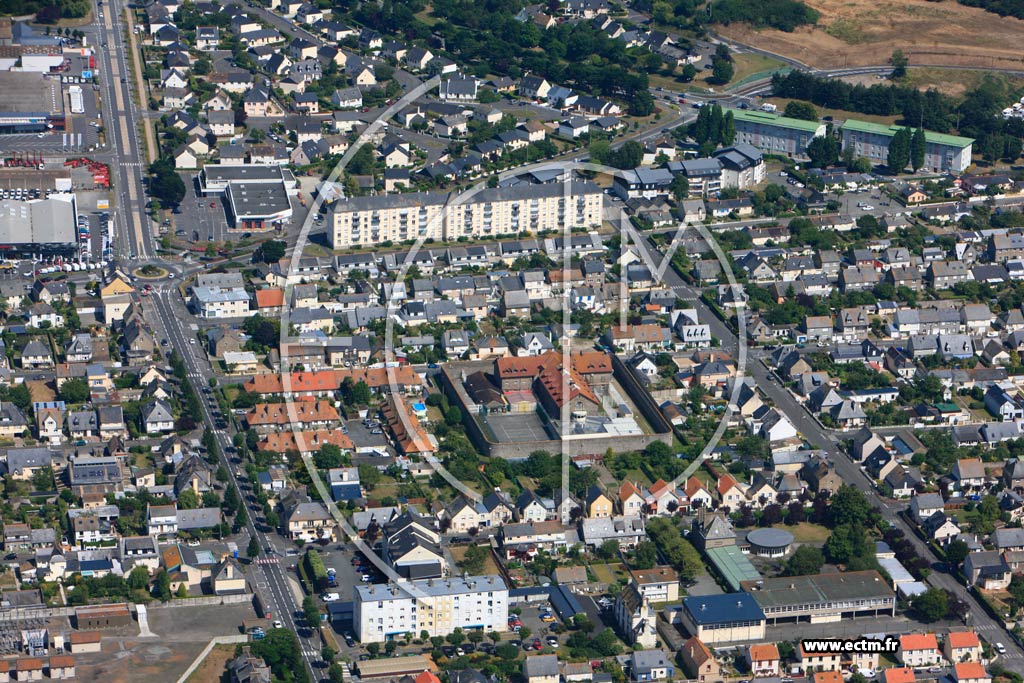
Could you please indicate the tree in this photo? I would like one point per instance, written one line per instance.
(931, 605)
(74, 390)
(456, 637)
(956, 552)
(679, 187)
(801, 110)
(310, 611)
(722, 71)
(688, 73)
(138, 578)
(182, 591)
(361, 163)
(390, 647)
(162, 586)
(253, 550)
(188, 500)
(335, 673)
(609, 549)
(824, 151)
(848, 505)
(918, 147)
(369, 476)
(271, 251)
(899, 151)
(474, 559)
(805, 560)
(899, 65)
(645, 555)
(165, 184)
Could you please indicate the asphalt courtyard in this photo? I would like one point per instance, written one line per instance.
(517, 427)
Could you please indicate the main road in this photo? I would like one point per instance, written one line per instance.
(849, 471)
(122, 117)
(269, 575)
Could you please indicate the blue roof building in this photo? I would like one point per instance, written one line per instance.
(724, 618)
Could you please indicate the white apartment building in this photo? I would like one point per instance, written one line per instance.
(229, 303)
(365, 221)
(438, 606)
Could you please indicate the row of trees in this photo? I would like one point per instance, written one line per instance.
(906, 147)
(785, 15)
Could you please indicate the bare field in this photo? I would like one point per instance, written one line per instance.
(864, 33)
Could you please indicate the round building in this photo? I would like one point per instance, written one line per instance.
(769, 542)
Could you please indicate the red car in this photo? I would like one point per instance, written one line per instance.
(213, 205)
(537, 645)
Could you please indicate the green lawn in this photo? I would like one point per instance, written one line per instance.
(805, 532)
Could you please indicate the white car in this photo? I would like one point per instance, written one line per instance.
(1000, 648)
(868, 207)
(330, 597)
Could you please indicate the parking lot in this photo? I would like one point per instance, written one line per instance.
(200, 219)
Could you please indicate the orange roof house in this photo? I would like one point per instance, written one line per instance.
(410, 437)
(827, 677)
(269, 298)
(326, 381)
(918, 641)
(962, 639)
(970, 671)
(899, 674)
(295, 413)
(311, 441)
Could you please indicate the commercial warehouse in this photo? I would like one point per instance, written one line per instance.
(823, 598)
(775, 134)
(30, 103)
(871, 141)
(367, 221)
(257, 198)
(40, 227)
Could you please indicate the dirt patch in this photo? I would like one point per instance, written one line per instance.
(929, 33)
(212, 668)
(41, 391)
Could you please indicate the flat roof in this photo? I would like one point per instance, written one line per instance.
(733, 565)
(769, 119)
(39, 221)
(258, 198)
(219, 173)
(30, 92)
(404, 590)
(882, 129)
(818, 589)
(393, 666)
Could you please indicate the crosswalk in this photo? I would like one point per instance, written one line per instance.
(267, 560)
(312, 654)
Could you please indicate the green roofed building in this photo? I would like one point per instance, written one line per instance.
(774, 134)
(871, 141)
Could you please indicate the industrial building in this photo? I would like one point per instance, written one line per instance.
(439, 606)
(367, 221)
(775, 134)
(40, 227)
(30, 102)
(871, 140)
(823, 598)
(257, 198)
